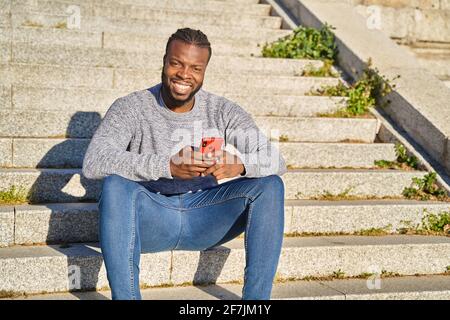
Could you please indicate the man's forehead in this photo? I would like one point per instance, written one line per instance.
(186, 51)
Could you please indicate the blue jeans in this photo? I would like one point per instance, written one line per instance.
(135, 220)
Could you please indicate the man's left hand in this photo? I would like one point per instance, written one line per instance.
(227, 165)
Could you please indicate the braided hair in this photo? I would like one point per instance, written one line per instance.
(191, 36)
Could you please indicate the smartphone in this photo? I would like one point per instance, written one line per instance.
(211, 144)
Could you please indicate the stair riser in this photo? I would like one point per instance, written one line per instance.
(415, 24)
(64, 225)
(55, 13)
(68, 186)
(72, 100)
(87, 8)
(220, 265)
(94, 57)
(52, 124)
(126, 79)
(100, 24)
(221, 45)
(69, 153)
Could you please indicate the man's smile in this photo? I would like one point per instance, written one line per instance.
(180, 87)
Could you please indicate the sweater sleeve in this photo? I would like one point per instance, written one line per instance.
(259, 156)
(107, 152)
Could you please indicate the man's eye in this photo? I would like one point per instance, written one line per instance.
(197, 69)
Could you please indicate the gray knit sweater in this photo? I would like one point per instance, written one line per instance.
(139, 134)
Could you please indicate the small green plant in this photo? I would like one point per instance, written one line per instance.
(403, 157)
(61, 25)
(338, 274)
(373, 232)
(437, 222)
(29, 23)
(363, 94)
(13, 195)
(387, 274)
(327, 195)
(447, 269)
(324, 71)
(365, 275)
(304, 43)
(425, 189)
(404, 161)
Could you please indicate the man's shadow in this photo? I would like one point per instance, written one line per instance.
(75, 234)
(68, 189)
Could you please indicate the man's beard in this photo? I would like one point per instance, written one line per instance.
(175, 101)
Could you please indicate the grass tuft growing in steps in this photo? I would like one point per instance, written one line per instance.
(13, 195)
(363, 94)
(326, 70)
(425, 188)
(344, 195)
(61, 25)
(34, 24)
(304, 43)
(403, 161)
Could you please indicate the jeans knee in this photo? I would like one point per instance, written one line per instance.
(114, 183)
(273, 183)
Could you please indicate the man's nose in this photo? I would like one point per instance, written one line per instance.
(183, 73)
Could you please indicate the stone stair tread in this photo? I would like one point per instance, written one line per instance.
(46, 124)
(133, 79)
(119, 58)
(288, 202)
(327, 170)
(78, 222)
(69, 185)
(241, 45)
(141, 27)
(92, 248)
(69, 153)
(91, 100)
(35, 269)
(206, 6)
(406, 287)
(152, 15)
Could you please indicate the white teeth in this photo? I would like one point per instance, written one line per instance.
(181, 87)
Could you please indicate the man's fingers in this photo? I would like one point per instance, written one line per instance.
(213, 169)
(220, 173)
(196, 168)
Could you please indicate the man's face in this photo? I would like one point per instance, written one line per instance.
(184, 71)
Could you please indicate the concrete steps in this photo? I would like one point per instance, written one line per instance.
(57, 83)
(236, 46)
(435, 57)
(45, 268)
(410, 23)
(88, 7)
(78, 222)
(134, 79)
(54, 124)
(72, 100)
(249, 17)
(399, 288)
(117, 58)
(160, 29)
(69, 153)
(68, 185)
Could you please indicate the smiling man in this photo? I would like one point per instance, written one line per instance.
(161, 193)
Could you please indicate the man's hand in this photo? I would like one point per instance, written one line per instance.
(188, 163)
(227, 165)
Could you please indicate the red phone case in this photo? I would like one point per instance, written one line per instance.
(211, 144)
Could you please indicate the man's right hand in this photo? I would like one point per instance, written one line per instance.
(188, 163)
